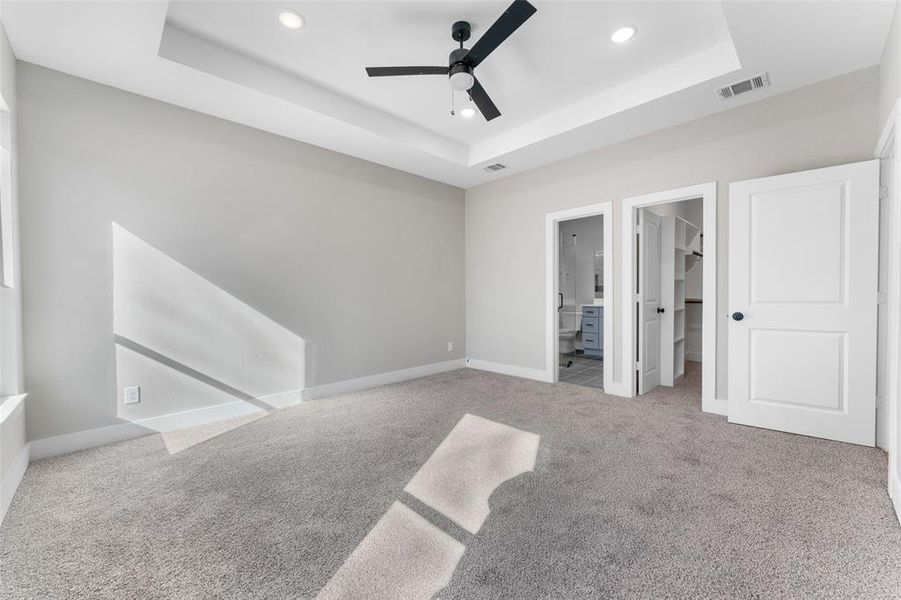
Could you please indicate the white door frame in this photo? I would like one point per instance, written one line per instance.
(552, 284)
(889, 142)
(707, 192)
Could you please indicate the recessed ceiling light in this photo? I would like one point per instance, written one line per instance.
(623, 35)
(468, 112)
(291, 19)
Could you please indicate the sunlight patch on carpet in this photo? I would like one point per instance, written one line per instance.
(403, 556)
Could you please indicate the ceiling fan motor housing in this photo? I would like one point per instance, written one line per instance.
(461, 77)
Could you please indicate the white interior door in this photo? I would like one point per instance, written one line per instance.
(648, 301)
(803, 256)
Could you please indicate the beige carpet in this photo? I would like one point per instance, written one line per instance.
(645, 498)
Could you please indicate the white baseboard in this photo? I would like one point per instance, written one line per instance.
(101, 436)
(514, 370)
(283, 399)
(198, 416)
(11, 480)
(895, 493)
(88, 438)
(694, 356)
(362, 383)
(716, 406)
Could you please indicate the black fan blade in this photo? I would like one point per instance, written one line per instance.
(517, 14)
(483, 101)
(392, 71)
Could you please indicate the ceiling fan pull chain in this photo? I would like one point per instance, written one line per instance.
(452, 102)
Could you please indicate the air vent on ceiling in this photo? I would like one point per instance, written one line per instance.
(495, 167)
(740, 87)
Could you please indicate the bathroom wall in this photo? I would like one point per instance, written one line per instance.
(589, 232)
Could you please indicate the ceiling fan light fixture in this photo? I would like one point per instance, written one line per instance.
(291, 19)
(623, 34)
(468, 112)
(462, 80)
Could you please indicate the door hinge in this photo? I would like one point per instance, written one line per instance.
(880, 402)
(638, 229)
(638, 297)
(883, 192)
(638, 366)
(881, 298)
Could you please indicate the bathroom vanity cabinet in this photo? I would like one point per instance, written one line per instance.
(593, 330)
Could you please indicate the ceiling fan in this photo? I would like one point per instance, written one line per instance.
(462, 62)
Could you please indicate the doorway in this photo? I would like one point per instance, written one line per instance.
(580, 332)
(669, 302)
(670, 288)
(579, 274)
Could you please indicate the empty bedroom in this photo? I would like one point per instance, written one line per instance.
(539, 299)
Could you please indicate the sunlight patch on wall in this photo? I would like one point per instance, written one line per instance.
(199, 354)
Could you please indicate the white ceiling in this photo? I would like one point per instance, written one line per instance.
(562, 86)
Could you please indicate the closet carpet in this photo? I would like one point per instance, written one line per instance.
(644, 498)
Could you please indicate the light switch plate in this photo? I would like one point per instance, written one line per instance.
(132, 394)
(450, 346)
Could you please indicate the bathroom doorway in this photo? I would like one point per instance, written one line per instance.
(579, 272)
(580, 308)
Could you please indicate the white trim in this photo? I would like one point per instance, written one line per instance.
(716, 406)
(198, 416)
(8, 404)
(890, 143)
(101, 436)
(513, 370)
(283, 399)
(11, 481)
(706, 191)
(82, 440)
(551, 269)
(895, 494)
(370, 381)
(694, 356)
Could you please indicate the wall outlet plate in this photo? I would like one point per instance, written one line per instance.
(132, 394)
(450, 346)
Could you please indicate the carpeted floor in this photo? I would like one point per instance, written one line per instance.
(645, 498)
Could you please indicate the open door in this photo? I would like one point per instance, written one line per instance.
(649, 301)
(803, 256)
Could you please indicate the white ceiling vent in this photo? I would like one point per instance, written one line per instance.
(747, 85)
(495, 167)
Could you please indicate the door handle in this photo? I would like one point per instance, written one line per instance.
(737, 316)
(660, 310)
(561, 300)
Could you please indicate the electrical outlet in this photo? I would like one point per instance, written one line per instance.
(450, 346)
(132, 394)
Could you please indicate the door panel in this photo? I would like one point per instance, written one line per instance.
(802, 272)
(786, 271)
(650, 301)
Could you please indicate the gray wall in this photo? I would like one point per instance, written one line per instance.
(829, 123)
(890, 68)
(362, 262)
